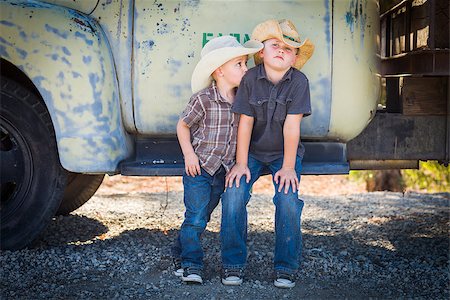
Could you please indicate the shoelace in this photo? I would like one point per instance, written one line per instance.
(192, 270)
(233, 272)
(283, 275)
(177, 263)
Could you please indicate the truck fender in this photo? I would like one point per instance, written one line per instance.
(67, 57)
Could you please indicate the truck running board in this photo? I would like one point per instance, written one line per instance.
(163, 157)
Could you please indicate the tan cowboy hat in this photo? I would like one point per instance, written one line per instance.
(215, 53)
(285, 31)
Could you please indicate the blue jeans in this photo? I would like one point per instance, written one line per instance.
(201, 196)
(288, 210)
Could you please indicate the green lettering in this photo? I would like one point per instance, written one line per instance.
(246, 38)
(206, 36)
(237, 36)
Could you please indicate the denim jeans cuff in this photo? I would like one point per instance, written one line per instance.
(234, 267)
(190, 265)
(285, 270)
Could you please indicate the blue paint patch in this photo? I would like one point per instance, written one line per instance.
(318, 123)
(193, 3)
(355, 15)
(65, 96)
(54, 56)
(163, 28)
(350, 21)
(66, 51)
(61, 77)
(93, 80)
(148, 44)
(76, 74)
(56, 31)
(38, 80)
(24, 36)
(176, 90)
(3, 41)
(87, 59)
(22, 53)
(174, 66)
(7, 23)
(81, 108)
(186, 24)
(64, 60)
(327, 20)
(3, 52)
(83, 37)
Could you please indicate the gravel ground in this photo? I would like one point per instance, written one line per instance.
(117, 246)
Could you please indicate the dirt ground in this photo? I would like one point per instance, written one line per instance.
(356, 245)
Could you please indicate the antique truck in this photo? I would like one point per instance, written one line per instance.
(95, 87)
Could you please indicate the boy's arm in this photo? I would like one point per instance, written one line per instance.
(191, 162)
(243, 143)
(287, 176)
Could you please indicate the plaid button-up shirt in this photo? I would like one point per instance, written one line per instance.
(213, 129)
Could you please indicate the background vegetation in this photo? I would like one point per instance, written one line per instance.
(431, 177)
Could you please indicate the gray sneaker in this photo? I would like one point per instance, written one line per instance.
(177, 269)
(284, 280)
(192, 275)
(232, 277)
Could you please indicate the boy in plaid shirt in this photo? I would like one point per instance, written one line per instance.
(207, 132)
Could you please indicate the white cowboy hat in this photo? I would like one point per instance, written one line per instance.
(215, 53)
(285, 31)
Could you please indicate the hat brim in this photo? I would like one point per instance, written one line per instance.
(201, 77)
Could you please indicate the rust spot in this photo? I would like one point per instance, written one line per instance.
(87, 26)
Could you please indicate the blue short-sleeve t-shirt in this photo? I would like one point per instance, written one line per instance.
(269, 105)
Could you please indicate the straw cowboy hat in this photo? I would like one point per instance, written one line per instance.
(285, 31)
(215, 53)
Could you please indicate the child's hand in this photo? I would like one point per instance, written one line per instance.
(286, 178)
(192, 165)
(236, 173)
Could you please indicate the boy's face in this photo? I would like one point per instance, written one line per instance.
(278, 55)
(233, 70)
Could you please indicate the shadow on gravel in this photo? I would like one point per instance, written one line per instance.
(64, 230)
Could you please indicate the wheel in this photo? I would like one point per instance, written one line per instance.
(80, 188)
(32, 179)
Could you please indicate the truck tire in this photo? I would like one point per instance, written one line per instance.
(32, 179)
(80, 188)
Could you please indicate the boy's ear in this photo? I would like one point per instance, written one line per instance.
(217, 73)
(261, 53)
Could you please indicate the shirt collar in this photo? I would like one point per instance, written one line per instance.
(214, 94)
(262, 73)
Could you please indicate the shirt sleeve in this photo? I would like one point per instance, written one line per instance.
(194, 111)
(241, 103)
(301, 100)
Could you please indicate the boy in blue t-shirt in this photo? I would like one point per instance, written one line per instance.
(272, 99)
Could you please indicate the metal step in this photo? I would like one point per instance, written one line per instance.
(163, 157)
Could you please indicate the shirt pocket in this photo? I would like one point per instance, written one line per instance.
(259, 107)
(280, 112)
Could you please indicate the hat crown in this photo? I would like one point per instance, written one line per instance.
(226, 41)
(289, 31)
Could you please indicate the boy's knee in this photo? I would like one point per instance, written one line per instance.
(234, 197)
(288, 200)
